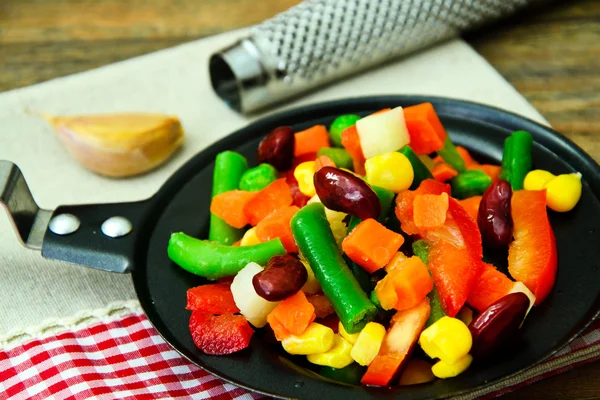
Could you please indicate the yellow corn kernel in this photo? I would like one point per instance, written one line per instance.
(315, 339)
(368, 343)
(350, 337)
(443, 370)
(448, 339)
(337, 357)
(563, 192)
(537, 179)
(390, 171)
(304, 173)
(336, 221)
(250, 238)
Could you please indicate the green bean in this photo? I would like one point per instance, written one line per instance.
(470, 183)
(517, 158)
(452, 156)
(229, 167)
(214, 261)
(421, 172)
(316, 242)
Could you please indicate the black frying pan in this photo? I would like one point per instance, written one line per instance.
(182, 204)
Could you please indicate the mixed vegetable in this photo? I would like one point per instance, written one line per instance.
(355, 245)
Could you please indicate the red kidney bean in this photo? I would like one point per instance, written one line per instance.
(493, 218)
(341, 191)
(282, 277)
(277, 148)
(322, 305)
(496, 324)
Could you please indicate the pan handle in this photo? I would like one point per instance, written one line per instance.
(101, 236)
(29, 220)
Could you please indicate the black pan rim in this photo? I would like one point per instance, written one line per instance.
(467, 109)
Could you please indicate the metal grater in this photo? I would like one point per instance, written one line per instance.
(319, 41)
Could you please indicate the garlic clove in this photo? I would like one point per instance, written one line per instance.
(119, 145)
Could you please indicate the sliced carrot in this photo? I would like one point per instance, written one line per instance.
(371, 245)
(410, 282)
(432, 186)
(323, 161)
(276, 195)
(443, 172)
(427, 134)
(229, 206)
(238, 243)
(429, 210)
(405, 199)
(351, 143)
(491, 286)
(277, 225)
(471, 204)
(493, 171)
(292, 316)
(311, 140)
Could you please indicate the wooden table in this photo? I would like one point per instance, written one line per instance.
(551, 57)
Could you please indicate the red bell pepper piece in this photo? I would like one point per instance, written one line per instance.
(214, 298)
(532, 257)
(455, 257)
(220, 334)
(490, 287)
(398, 343)
(455, 248)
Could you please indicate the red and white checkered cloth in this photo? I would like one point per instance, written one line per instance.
(126, 358)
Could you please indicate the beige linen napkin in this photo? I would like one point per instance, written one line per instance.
(175, 81)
